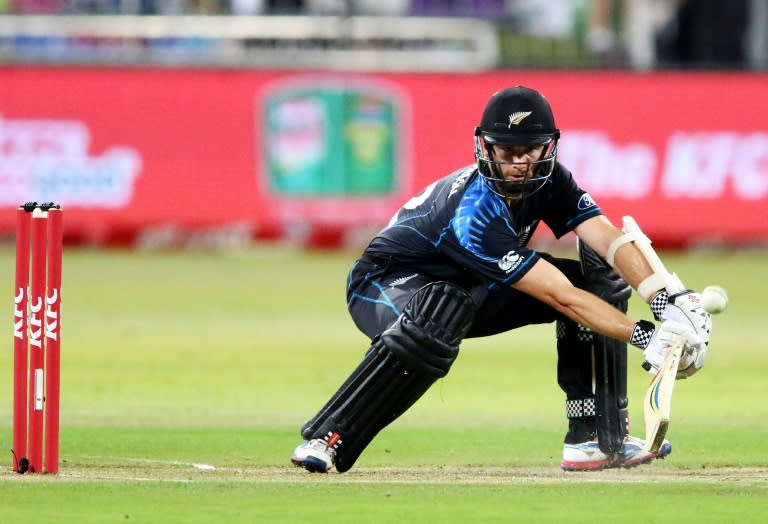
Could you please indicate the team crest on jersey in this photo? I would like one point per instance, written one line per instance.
(510, 261)
(517, 117)
(585, 202)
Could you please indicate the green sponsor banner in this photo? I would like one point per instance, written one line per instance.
(330, 141)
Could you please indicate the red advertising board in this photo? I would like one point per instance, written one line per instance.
(132, 153)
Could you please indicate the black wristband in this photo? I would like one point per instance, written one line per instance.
(641, 335)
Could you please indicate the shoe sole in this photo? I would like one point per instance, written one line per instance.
(607, 464)
(665, 450)
(311, 464)
(638, 462)
(585, 466)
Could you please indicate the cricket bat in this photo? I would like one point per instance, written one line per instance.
(658, 400)
(658, 397)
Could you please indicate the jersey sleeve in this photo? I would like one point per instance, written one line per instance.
(570, 205)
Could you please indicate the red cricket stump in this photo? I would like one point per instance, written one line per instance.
(37, 338)
(53, 340)
(36, 356)
(20, 353)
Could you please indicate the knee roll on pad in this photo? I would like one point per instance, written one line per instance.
(396, 371)
(433, 323)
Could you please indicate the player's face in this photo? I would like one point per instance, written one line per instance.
(515, 161)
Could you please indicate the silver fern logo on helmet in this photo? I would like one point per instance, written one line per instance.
(517, 117)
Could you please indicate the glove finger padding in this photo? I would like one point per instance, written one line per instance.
(691, 362)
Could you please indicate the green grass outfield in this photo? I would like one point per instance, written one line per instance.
(185, 378)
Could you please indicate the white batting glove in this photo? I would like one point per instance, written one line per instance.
(669, 334)
(685, 308)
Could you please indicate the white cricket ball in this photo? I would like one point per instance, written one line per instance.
(714, 299)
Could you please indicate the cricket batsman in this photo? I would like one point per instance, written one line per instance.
(454, 262)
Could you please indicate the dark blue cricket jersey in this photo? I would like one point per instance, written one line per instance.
(457, 227)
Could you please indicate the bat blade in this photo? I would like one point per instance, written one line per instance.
(658, 400)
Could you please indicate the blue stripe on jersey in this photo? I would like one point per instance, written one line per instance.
(476, 210)
(581, 217)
